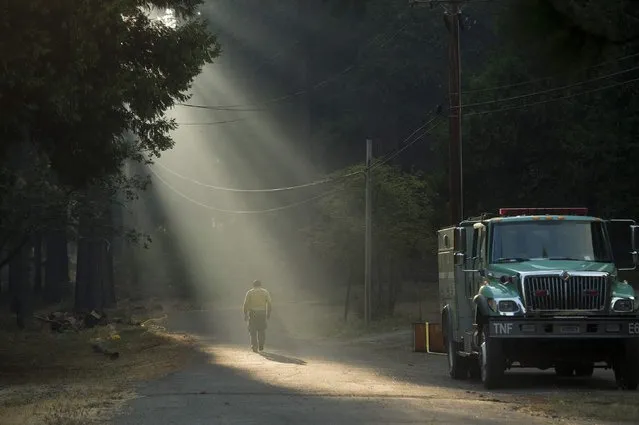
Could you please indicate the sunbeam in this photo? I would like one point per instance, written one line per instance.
(224, 251)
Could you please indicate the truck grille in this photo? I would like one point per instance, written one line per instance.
(552, 293)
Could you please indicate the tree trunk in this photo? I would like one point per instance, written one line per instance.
(107, 252)
(86, 288)
(94, 278)
(37, 263)
(348, 291)
(56, 272)
(110, 275)
(393, 286)
(377, 286)
(119, 250)
(19, 287)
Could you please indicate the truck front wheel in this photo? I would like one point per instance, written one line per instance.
(626, 366)
(584, 370)
(564, 369)
(491, 361)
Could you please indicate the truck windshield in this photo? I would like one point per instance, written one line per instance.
(554, 240)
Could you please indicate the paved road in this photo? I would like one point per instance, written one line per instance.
(302, 382)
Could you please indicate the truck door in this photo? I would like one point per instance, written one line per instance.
(446, 266)
(464, 282)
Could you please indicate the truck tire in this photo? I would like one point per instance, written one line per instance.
(626, 366)
(457, 365)
(474, 369)
(564, 370)
(491, 360)
(584, 370)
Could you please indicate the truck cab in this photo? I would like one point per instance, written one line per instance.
(539, 288)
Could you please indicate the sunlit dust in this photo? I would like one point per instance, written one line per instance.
(319, 375)
(221, 244)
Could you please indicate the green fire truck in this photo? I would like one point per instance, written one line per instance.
(539, 288)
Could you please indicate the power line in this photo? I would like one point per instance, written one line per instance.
(226, 211)
(396, 153)
(555, 89)
(551, 77)
(209, 123)
(249, 107)
(278, 53)
(277, 189)
(220, 108)
(621, 83)
(436, 111)
(379, 163)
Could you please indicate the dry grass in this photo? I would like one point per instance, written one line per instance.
(619, 407)
(355, 327)
(405, 314)
(57, 379)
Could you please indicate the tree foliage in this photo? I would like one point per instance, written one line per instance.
(402, 229)
(402, 210)
(569, 139)
(78, 79)
(87, 72)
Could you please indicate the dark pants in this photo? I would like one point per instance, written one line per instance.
(257, 329)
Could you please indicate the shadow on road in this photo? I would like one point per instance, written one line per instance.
(282, 359)
(225, 327)
(235, 385)
(520, 381)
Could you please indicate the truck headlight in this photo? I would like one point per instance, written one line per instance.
(504, 306)
(508, 306)
(625, 305)
(492, 304)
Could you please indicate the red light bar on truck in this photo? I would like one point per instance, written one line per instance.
(542, 211)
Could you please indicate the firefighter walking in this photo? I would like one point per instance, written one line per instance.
(257, 310)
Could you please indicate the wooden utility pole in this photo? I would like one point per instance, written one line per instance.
(455, 148)
(455, 170)
(368, 239)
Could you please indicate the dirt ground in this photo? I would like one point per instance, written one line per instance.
(198, 369)
(50, 378)
(373, 379)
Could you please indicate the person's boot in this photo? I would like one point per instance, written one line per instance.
(254, 342)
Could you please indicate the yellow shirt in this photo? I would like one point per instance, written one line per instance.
(257, 299)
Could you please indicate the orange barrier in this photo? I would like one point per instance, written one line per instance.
(428, 338)
(420, 337)
(434, 339)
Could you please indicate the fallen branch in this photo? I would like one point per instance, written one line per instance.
(62, 322)
(154, 323)
(45, 319)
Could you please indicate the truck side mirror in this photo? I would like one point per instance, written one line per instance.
(460, 246)
(624, 243)
(634, 239)
(460, 239)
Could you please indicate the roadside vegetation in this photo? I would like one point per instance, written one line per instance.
(77, 377)
(551, 118)
(619, 407)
